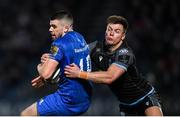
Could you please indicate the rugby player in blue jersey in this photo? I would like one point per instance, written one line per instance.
(73, 96)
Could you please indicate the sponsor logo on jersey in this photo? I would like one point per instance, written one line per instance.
(147, 103)
(54, 50)
(81, 49)
(100, 58)
(123, 51)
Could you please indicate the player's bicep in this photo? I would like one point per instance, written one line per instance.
(124, 59)
(115, 71)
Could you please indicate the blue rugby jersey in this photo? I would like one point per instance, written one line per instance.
(72, 48)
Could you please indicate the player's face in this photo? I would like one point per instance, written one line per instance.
(114, 34)
(56, 28)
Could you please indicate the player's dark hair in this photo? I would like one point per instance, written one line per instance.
(115, 19)
(62, 14)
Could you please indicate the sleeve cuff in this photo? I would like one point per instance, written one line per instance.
(121, 66)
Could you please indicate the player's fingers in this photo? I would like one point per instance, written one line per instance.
(43, 61)
(67, 67)
(73, 64)
(67, 72)
(33, 84)
(36, 80)
(40, 85)
(37, 84)
(46, 55)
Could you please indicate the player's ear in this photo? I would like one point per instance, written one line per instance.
(66, 28)
(124, 35)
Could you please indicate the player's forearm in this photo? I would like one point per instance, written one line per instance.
(97, 77)
(43, 72)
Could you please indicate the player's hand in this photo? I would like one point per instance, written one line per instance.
(72, 71)
(45, 57)
(39, 67)
(37, 82)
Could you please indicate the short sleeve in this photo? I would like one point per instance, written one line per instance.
(124, 58)
(56, 52)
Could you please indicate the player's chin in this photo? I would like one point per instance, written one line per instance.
(53, 37)
(109, 42)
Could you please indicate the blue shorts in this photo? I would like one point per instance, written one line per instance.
(54, 105)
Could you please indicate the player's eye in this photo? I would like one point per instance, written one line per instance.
(53, 26)
(118, 31)
(109, 29)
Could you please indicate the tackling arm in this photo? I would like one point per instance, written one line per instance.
(106, 77)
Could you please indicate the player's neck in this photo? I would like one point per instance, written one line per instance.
(70, 29)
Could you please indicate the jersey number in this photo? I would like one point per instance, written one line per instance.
(88, 63)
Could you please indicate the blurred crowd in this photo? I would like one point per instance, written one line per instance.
(154, 34)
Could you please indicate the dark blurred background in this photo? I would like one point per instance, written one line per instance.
(154, 34)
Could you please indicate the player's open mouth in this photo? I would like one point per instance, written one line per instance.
(109, 39)
(53, 36)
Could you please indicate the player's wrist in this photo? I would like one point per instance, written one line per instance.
(83, 75)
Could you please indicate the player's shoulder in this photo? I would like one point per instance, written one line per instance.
(125, 51)
(92, 45)
(64, 39)
(57, 41)
(73, 34)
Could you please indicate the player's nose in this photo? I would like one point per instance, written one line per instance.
(50, 29)
(111, 33)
